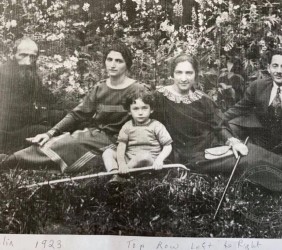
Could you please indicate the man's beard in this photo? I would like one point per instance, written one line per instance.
(27, 75)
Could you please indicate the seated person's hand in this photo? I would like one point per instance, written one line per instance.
(238, 147)
(123, 169)
(39, 139)
(158, 164)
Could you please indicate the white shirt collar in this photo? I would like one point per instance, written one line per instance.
(275, 85)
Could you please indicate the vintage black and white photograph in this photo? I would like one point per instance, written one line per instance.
(141, 118)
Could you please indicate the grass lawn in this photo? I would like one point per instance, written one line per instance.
(151, 204)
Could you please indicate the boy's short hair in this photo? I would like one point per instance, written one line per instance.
(146, 96)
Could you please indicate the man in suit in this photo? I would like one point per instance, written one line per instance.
(25, 108)
(259, 113)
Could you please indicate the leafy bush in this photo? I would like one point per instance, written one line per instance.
(72, 47)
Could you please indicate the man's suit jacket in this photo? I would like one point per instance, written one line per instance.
(252, 109)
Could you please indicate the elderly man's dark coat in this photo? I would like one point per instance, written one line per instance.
(24, 108)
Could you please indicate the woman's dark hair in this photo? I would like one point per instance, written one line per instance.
(146, 96)
(124, 50)
(185, 58)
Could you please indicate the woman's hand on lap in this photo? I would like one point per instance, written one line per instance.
(39, 139)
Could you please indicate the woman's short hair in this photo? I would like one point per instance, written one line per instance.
(184, 58)
(146, 96)
(124, 50)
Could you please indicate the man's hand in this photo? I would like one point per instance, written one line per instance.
(237, 147)
(39, 139)
(240, 148)
(123, 168)
(158, 164)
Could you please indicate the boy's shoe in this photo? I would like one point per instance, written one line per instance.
(116, 181)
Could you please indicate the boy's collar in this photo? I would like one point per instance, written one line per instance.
(144, 124)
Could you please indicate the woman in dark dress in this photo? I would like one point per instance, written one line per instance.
(195, 124)
(102, 109)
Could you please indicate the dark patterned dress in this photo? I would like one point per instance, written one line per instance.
(103, 111)
(195, 124)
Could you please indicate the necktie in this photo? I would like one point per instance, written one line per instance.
(276, 104)
(275, 124)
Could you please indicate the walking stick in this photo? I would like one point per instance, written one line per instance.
(83, 177)
(228, 183)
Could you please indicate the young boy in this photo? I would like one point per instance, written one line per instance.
(142, 141)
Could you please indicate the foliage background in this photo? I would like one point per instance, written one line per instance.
(72, 36)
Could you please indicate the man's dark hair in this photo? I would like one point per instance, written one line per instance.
(124, 50)
(20, 40)
(273, 53)
(146, 96)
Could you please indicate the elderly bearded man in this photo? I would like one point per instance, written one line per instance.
(24, 103)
